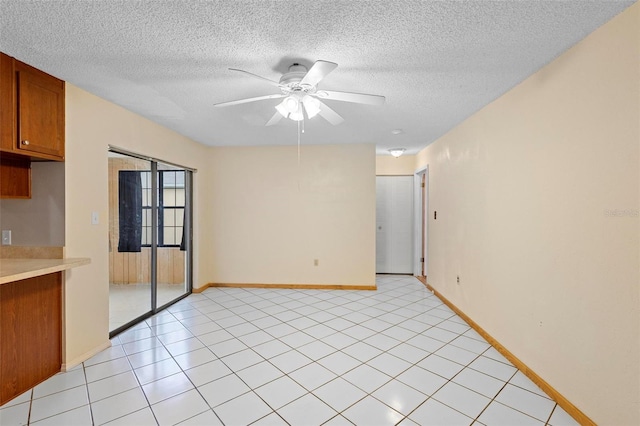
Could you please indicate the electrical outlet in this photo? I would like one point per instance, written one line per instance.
(6, 237)
(458, 279)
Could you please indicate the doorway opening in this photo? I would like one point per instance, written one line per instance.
(394, 224)
(150, 238)
(421, 224)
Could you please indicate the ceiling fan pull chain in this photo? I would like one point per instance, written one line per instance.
(298, 156)
(298, 146)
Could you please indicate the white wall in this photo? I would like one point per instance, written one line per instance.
(91, 125)
(273, 217)
(524, 191)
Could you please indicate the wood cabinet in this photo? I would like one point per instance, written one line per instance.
(8, 118)
(15, 177)
(31, 111)
(30, 332)
(32, 123)
(40, 113)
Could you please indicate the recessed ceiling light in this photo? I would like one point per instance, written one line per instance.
(397, 131)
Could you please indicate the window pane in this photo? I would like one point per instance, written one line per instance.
(144, 179)
(173, 179)
(179, 197)
(178, 236)
(168, 179)
(146, 235)
(179, 217)
(179, 179)
(169, 236)
(169, 217)
(146, 217)
(169, 197)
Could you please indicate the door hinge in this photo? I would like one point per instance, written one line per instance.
(422, 259)
(422, 184)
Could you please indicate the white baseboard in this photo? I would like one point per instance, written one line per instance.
(85, 356)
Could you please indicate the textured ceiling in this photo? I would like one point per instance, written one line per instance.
(437, 62)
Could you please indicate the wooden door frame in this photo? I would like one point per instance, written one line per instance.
(421, 223)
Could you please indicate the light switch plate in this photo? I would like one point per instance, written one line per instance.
(95, 219)
(6, 237)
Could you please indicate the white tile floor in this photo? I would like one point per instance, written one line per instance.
(129, 301)
(300, 357)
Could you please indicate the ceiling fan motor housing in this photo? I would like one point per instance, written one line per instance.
(295, 74)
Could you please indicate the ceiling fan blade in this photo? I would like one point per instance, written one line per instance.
(318, 71)
(330, 115)
(272, 82)
(359, 98)
(275, 119)
(244, 101)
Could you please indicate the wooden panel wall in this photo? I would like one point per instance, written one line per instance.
(135, 268)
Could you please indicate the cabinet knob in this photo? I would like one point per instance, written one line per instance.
(25, 142)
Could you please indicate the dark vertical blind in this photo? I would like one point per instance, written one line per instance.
(130, 211)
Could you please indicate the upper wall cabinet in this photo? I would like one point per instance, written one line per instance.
(31, 111)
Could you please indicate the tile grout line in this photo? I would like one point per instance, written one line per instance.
(494, 397)
(374, 301)
(86, 384)
(232, 371)
(313, 361)
(365, 363)
(172, 357)
(30, 406)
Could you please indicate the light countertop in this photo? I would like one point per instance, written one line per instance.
(20, 269)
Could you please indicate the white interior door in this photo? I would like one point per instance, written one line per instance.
(394, 224)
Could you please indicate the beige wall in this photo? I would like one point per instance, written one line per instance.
(92, 124)
(388, 165)
(247, 201)
(273, 217)
(537, 197)
(38, 221)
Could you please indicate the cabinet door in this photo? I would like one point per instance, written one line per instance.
(7, 105)
(40, 113)
(31, 328)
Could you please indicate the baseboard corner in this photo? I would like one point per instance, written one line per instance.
(68, 365)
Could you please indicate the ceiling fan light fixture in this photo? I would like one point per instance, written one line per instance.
(291, 104)
(397, 152)
(311, 106)
(297, 115)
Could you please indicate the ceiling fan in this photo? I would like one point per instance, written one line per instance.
(301, 96)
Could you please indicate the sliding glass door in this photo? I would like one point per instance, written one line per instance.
(149, 237)
(172, 240)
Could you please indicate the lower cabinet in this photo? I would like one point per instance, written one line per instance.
(30, 333)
